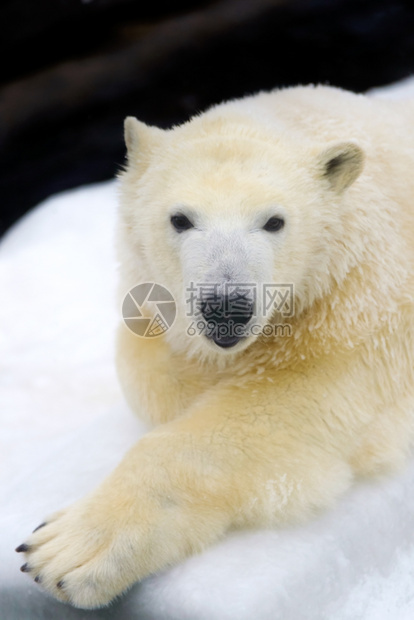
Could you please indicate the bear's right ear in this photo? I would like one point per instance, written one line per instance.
(140, 138)
(341, 164)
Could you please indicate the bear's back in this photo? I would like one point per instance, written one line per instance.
(322, 114)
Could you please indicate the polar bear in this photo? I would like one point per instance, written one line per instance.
(287, 209)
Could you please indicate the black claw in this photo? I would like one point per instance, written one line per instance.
(22, 548)
(37, 579)
(39, 526)
(25, 568)
(59, 584)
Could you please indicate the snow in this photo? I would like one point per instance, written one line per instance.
(65, 425)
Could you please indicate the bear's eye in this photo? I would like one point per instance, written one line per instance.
(274, 224)
(181, 222)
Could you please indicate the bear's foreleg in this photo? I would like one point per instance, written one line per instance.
(253, 456)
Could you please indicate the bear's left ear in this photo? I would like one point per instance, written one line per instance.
(341, 165)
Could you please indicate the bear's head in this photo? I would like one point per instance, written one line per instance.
(245, 228)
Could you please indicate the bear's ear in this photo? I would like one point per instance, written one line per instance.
(341, 164)
(139, 137)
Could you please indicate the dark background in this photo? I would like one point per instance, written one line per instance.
(73, 69)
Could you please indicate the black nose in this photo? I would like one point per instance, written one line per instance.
(226, 317)
(223, 309)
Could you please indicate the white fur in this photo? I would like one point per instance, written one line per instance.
(274, 429)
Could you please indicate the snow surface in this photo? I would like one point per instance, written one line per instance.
(64, 426)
